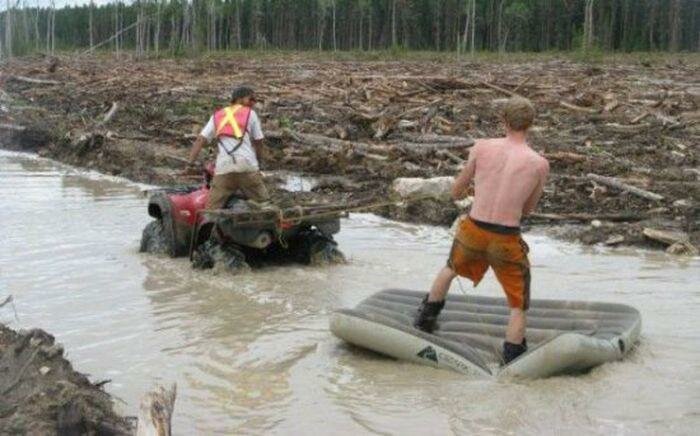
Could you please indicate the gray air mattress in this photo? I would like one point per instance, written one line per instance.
(563, 336)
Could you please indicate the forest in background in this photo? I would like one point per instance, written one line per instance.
(172, 27)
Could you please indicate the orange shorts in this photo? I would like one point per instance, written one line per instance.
(478, 246)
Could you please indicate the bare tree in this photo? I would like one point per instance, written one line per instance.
(335, 46)
(156, 38)
(393, 23)
(674, 17)
(473, 15)
(91, 25)
(8, 29)
(588, 25)
(321, 22)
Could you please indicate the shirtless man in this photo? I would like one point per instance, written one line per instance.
(509, 178)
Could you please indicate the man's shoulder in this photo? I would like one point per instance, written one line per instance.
(541, 162)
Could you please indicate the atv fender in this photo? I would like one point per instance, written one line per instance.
(178, 235)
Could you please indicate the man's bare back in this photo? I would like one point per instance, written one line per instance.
(508, 177)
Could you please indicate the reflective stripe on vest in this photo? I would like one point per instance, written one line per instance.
(231, 120)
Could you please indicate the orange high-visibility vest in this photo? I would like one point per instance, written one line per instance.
(232, 121)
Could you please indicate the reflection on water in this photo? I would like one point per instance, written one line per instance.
(253, 354)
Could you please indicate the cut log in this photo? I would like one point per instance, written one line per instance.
(615, 183)
(499, 89)
(668, 237)
(622, 128)
(13, 127)
(431, 138)
(110, 114)
(566, 156)
(156, 411)
(33, 81)
(573, 107)
(586, 217)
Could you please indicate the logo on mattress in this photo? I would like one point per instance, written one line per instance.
(428, 353)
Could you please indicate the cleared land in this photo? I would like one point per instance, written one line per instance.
(622, 137)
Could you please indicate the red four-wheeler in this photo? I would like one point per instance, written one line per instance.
(238, 235)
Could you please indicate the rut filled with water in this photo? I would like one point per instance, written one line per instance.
(253, 354)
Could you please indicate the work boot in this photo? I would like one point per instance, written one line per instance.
(511, 351)
(428, 312)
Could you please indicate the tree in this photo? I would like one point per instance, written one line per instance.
(8, 29)
(588, 25)
(674, 25)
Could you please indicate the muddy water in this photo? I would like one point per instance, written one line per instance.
(253, 354)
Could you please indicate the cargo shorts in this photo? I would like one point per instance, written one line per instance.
(478, 246)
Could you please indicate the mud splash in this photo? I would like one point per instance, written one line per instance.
(253, 354)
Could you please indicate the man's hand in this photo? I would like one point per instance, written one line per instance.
(192, 168)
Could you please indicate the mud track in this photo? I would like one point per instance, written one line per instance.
(367, 123)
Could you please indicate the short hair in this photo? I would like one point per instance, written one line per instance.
(519, 113)
(241, 91)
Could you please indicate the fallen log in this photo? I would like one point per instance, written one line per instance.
(12, 127)
(33, 81)
(615, 183)
(566, 156)
(110, 114)
(622, 128)
(431, 138)
(667, 237)
(499, 89)
(576, 108)
(156, 411)
(586, 217)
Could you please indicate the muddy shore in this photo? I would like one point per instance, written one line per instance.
(41, 393)
(357, 126)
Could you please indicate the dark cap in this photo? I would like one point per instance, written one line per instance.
(241, 91)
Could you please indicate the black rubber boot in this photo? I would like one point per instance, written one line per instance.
(428, 312)
(512, 351)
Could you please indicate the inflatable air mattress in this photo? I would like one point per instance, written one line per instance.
(563, 336)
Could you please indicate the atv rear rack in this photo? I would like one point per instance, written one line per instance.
(281, 216)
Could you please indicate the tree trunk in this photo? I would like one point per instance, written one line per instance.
(436, 23)
(393, 23)
(91, 25)
(156, 39)
(369, 27)
(239, 43)
(588, 25)
(335, 46)
(463, 46)
(8, 30)
(674, 25)
(473, 15)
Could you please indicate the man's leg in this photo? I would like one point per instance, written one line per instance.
(432, 304)
(441, 284)
(253, 187)
(515, 333)
(514, 276)
(222, 187)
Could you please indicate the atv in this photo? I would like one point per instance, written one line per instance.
(243, 233)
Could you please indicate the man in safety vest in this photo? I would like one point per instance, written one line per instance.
(239, 136)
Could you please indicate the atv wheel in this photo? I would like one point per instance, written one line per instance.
(317, 249)
(212, 253)
(154, 240)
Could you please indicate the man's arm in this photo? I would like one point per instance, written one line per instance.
(197, 147)
(461, 184)
(205, 136)
(257, 136)
(534, 198)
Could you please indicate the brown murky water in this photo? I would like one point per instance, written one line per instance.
(252, 354)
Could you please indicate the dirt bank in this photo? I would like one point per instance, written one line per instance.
(41, 393)
(622, 139)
